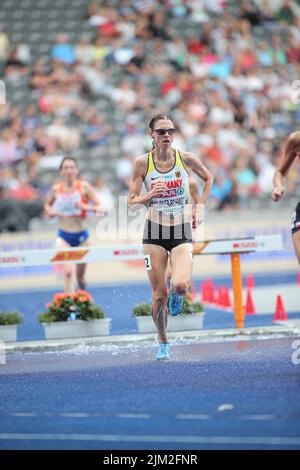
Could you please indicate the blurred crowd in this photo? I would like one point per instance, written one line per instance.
(227, 71)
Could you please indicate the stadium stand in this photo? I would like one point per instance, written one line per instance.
(86, 77)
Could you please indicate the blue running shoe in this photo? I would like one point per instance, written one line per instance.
(163, 352)
(175, 303)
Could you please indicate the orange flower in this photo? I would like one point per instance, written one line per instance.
(57, 299)
(84, 293)
(78, 296)
(81, 291)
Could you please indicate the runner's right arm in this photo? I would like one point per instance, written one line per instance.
(50, 212)
(138, 173)
(279, 175)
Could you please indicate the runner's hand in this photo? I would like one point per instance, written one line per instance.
(277, 193)
(158, 189)
(81, 205)
(51, 213)
(198, 215)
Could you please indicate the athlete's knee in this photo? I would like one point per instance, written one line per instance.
(181, 286)
(68, 272)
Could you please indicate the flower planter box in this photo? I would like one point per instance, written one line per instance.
(8, 332)
(193, 321)
(77, 328)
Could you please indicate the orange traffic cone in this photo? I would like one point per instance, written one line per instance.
(219, 297)
(280, 312)
(250, 282)
(249, 309)
(211, 290)
(227, 302)
(207, 291)
(204, 291)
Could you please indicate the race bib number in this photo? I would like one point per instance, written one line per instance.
(148, 263)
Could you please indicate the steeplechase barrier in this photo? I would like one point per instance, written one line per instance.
(89, 254)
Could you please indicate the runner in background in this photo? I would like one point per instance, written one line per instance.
(69, 202)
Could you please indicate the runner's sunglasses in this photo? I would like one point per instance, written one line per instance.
(164, 131)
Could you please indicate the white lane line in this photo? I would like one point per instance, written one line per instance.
(193, 416)
(81, 415)
(258, 417)
(248, 440)
(133, 415)
(183, 416)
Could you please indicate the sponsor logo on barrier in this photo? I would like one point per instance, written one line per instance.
(11, 259)
(128, 252)
(69, 255)
(245, 245)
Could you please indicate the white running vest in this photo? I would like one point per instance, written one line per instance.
(173, 200)
(65, 203)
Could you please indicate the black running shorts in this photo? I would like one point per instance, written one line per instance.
(296, 219)
(167, 236)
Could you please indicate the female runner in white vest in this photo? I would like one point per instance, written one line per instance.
(68, 201)
(165, 174)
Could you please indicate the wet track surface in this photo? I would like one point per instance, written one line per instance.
(225, 395)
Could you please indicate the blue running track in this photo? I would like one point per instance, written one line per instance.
(226, 395)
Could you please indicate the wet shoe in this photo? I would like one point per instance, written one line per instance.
(175, 303)
(163, 352)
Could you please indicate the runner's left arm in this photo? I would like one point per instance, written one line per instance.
(193, 163)
(91, 196)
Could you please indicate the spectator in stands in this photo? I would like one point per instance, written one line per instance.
(17, 63)
(84, 51)
(15, 215)
(96, 131)
(65, 137)
(4, 47)
(105, 196)
(62, 50)
(232, 85)
(8, 148)
(124, 172)
(286, 12)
